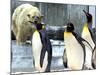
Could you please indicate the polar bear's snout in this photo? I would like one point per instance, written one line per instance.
(36, 18)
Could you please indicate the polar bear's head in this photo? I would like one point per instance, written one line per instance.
(35, 15)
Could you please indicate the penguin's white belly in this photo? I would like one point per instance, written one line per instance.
(88, 61)
(88, 58)
(75, 54)
(88, 38)
(45, 62)
(37, 47)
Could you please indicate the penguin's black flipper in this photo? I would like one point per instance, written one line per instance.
(65, 59)
(80, 39)
(92, 35)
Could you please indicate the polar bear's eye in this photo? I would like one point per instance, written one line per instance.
(28, 15)
(33, 16)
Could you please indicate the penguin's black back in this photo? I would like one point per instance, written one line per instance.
(46, 47)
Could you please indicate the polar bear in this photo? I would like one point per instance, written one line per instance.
(21, 22)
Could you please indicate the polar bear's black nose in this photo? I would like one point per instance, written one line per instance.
(36, 18)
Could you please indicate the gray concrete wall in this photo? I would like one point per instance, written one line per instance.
(59, 14)
(92, 10)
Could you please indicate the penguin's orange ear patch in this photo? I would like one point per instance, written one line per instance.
(43, 27)
(67, 34)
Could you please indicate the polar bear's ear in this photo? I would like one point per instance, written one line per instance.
(42, 16)
(28, 15)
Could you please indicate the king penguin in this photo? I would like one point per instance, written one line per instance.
(87, 32)
(42, 49)
(74, 53)
(88, 35)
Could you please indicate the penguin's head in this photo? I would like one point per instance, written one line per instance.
(39, 26)
(88, 16)
(69, 27)
(89, 19)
